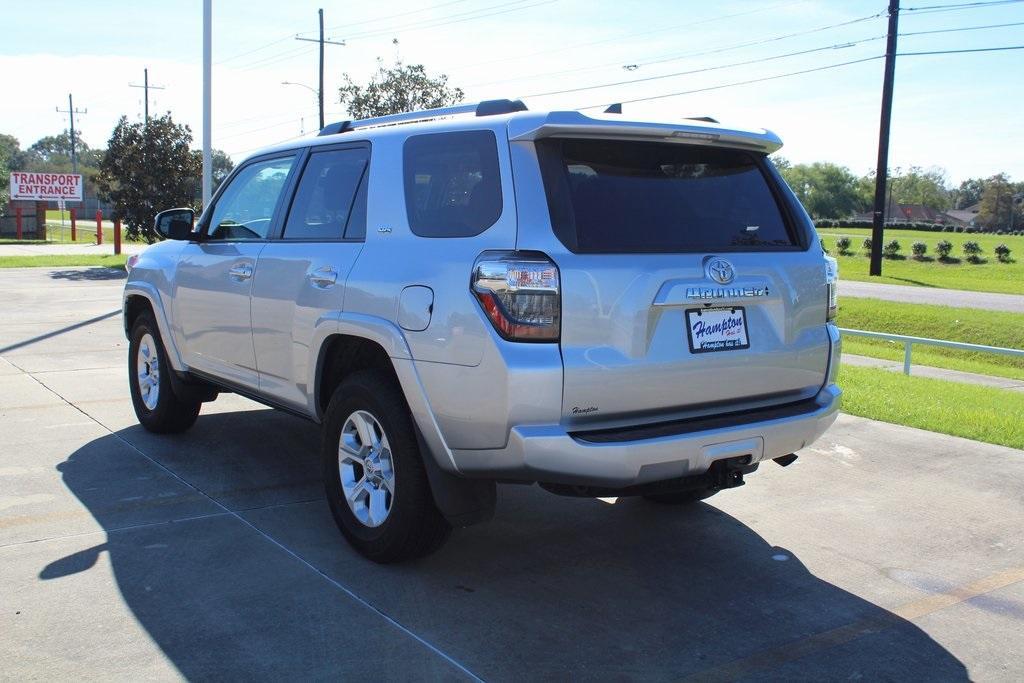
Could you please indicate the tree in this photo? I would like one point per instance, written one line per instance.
(921, 186)
(996, 203)
(10, 153)
(148, 168)
(222, 167)
(969, 193)
(826, 190)
(397, 89)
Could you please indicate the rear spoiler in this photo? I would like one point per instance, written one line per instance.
(576, 124)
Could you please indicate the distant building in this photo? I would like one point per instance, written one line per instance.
(922, 213)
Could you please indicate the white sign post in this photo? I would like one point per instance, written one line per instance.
(52, 187)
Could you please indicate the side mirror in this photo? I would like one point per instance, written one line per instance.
(175, 224)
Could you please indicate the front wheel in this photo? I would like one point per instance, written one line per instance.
(376, 484)
(157, 406)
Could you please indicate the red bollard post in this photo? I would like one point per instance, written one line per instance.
(73, 233)
(99, 227)
(117, 236)
(17, 223)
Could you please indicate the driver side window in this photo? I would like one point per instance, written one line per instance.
(246, 208)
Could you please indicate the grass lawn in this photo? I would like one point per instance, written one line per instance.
(991, 276)
(63, 260)
(973, 412)
(993, 328)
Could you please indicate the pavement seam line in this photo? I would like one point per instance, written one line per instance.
(334, 582)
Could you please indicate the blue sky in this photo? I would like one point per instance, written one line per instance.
(960, 112)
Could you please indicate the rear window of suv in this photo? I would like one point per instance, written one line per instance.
(616, 196)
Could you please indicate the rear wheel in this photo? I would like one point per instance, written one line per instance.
(374, 477)
(681, 497)
(158, 408)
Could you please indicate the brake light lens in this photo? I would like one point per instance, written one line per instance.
(520, 293)
(831, 284)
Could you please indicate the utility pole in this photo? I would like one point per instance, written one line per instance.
(322, 41)
(71, 111)
(145, 88)
(207, 76)
(881, 173)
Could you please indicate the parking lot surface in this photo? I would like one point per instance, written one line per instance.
(882, 553)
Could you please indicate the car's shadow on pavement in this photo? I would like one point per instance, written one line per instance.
(552, 588)
(91, 274)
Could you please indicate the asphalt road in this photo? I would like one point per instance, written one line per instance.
(932, 295)
(882, 553)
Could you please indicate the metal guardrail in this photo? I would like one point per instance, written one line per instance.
(909, 341)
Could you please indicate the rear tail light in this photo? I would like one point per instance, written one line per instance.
(519, 292)
(831, 282)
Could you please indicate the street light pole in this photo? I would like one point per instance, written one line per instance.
(207, 75)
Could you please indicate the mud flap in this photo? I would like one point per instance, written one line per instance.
(463, 502)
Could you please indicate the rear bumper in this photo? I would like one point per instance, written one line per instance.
(547, 453)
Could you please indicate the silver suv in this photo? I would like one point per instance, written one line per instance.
(485, 294)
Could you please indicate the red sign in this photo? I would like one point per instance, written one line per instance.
(46, 186)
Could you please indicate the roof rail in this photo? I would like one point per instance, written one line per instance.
(485, 108)
(705, 119)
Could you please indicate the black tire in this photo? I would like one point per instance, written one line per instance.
(171, 413)
(413, 526)
(681, 497)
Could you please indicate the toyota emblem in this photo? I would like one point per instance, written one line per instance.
(720, 270)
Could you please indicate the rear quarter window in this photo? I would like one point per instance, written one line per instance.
(452, 183)
(617, 196)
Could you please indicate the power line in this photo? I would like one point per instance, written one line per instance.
(291, 36)
(677, 56)
(960, 5)
(962, 28)
(574, 46)
(397, 16)
(435, 23)
(836, 46)
(957, 52)
(735, 83)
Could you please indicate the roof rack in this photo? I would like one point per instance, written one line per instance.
(484, 108)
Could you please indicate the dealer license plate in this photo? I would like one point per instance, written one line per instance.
(717, 329)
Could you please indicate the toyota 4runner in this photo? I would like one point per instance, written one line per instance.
(485, 294)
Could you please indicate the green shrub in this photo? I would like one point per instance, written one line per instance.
(919, 249)
(891, 249)
(944, 248)
(843, 245)
(973, 251)
(1003, 252)
(866, 244)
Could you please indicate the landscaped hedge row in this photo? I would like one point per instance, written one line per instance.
(926, 227)
(919, 250)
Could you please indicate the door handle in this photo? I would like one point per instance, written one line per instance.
(240, 271)
(323, 277)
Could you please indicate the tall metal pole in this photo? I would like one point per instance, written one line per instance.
(878, 230)
(74, 156)
(207, 76)
(320, 90)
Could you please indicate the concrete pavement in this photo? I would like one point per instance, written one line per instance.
(882, 553)
(910, 294)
